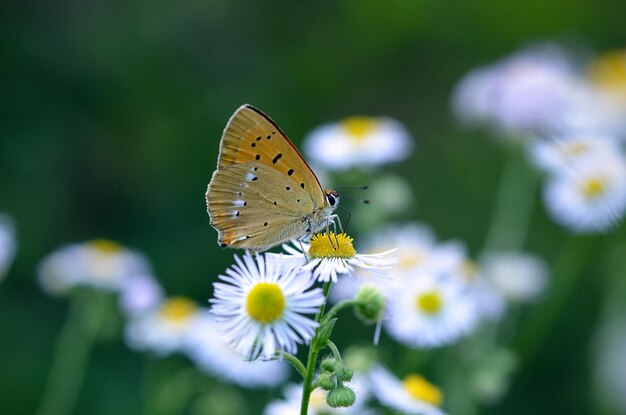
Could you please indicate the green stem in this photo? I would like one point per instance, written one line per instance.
(337, 308)
(514, 204)
(176, 392)
(568, 268)
(87, 313)
(311, 361)
(335, 351)
(295, 362)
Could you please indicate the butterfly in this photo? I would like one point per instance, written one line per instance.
(263, 192)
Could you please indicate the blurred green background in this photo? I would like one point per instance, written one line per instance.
(112, 113)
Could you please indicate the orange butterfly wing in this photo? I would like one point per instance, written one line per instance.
(263, 190)
(251, 136)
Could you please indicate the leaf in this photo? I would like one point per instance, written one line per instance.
(324, 333)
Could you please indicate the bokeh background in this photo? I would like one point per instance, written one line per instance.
(111, 117)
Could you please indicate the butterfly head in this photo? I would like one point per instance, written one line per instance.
(332, 198)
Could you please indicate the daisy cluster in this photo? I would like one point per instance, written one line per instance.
(436, 294)
(571, 115)
(261, 302)
(154, 323)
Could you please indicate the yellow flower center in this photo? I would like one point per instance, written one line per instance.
(608, 72)
(429, 302)
(593, 188)
(410, 259)
(105, 246)
(333, 246)
(359, 127)
(265, 302)
(177, 310)
(422, 390)
(574, 148)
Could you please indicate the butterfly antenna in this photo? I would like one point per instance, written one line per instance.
(349, 216)
(358, 199)
(352, 187)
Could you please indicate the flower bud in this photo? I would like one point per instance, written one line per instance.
(371, 305)
(329, 364)
(345, 374)
(341, 396)
(326, 381)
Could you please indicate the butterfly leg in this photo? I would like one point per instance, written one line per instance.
(336, 221)
(306, 257)
(328, 234)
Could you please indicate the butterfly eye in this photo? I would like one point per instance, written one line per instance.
(331, 199)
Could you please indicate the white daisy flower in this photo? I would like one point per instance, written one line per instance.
(603, 108)
(329, 256)
(529, 91)
(259, 306)
(520, 277)
(165, 329)
(101, 264)
(317, 403)
(8, 243)
(141, 293)
(474, 96)
(560, 153)
(488, 301)
(430, 310)
(415, 395)
(211, 354)
(590, 196)
(358, 142)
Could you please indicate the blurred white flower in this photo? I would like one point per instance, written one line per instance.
(530, 91)
(141, 293)
(430, 310)
(415, 395)
(557, 154)
(416, 250)
(603, 107)
(207, 349)
(101, 264)
(8, 243)
(474, 97)
(259, 306)
(608, 73)
(165, 329)
(520, 277)
(330, 256)
(317, 403)
(358, 142)
(589, 196)
(489, 303)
